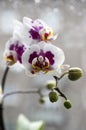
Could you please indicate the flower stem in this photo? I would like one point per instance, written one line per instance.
(58, 78)
(61, 94)
(20, 92)
(56, 88)
(1, 118)
(2, 126)
(4, 78)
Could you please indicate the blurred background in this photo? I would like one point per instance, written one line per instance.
(68, 19)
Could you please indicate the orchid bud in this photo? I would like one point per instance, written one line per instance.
(75, 73)
(51, 84)
(53, 97)
(42, 100)
(67, 104)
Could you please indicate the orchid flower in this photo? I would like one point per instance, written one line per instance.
(13, 51)
(33, 31)
(39, 30)
(43, 58)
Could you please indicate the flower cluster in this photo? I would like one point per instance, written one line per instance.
(31, 46)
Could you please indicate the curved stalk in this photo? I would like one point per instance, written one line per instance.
(2, 126)
(20, 92)
(4, 78)
(56, 88)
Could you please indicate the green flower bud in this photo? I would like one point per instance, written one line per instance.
(53, 97)
(42, 100)
(51, 84)
(75, 73)
(67, 104)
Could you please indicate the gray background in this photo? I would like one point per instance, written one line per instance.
(68, 18)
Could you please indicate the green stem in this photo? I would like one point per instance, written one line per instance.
(58, 78)
(56, 88)
(4, 78)
(61, 94)
(2, 126)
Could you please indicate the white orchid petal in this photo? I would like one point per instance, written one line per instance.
(39, 22)
(17, 24)
(54, 37)
(28, 73)
(34, 48)
(41, 44)
(14, 41)
(27, 20)
(17, 28)
(8, 43)
(58, 54)
(65, 67)
(24, 124)
(25, 62)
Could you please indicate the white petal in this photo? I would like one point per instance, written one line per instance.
(12, 41)
(54, 37)
(34, 48)
(26, 19)
(17, 29)
(28, 73)
(25, 58)
(38, 125)
(8, 43)
(7, 53)
(24, 124)
(42, 44)
(17, 24)
(58, 54)
(65, 67)
(25, 36)
(28, 22)
(21, 32)
(39, 22)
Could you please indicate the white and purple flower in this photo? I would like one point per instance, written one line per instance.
(13, 52)
(39, 30)
(43, 58)
(33, 31)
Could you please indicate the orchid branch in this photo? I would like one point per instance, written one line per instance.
(4, 78)
(58, 78)
(20, 92)
(56, 88)
(2, 126)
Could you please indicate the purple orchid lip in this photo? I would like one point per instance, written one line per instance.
(48, 55)
(19, 50)
(34, 34)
